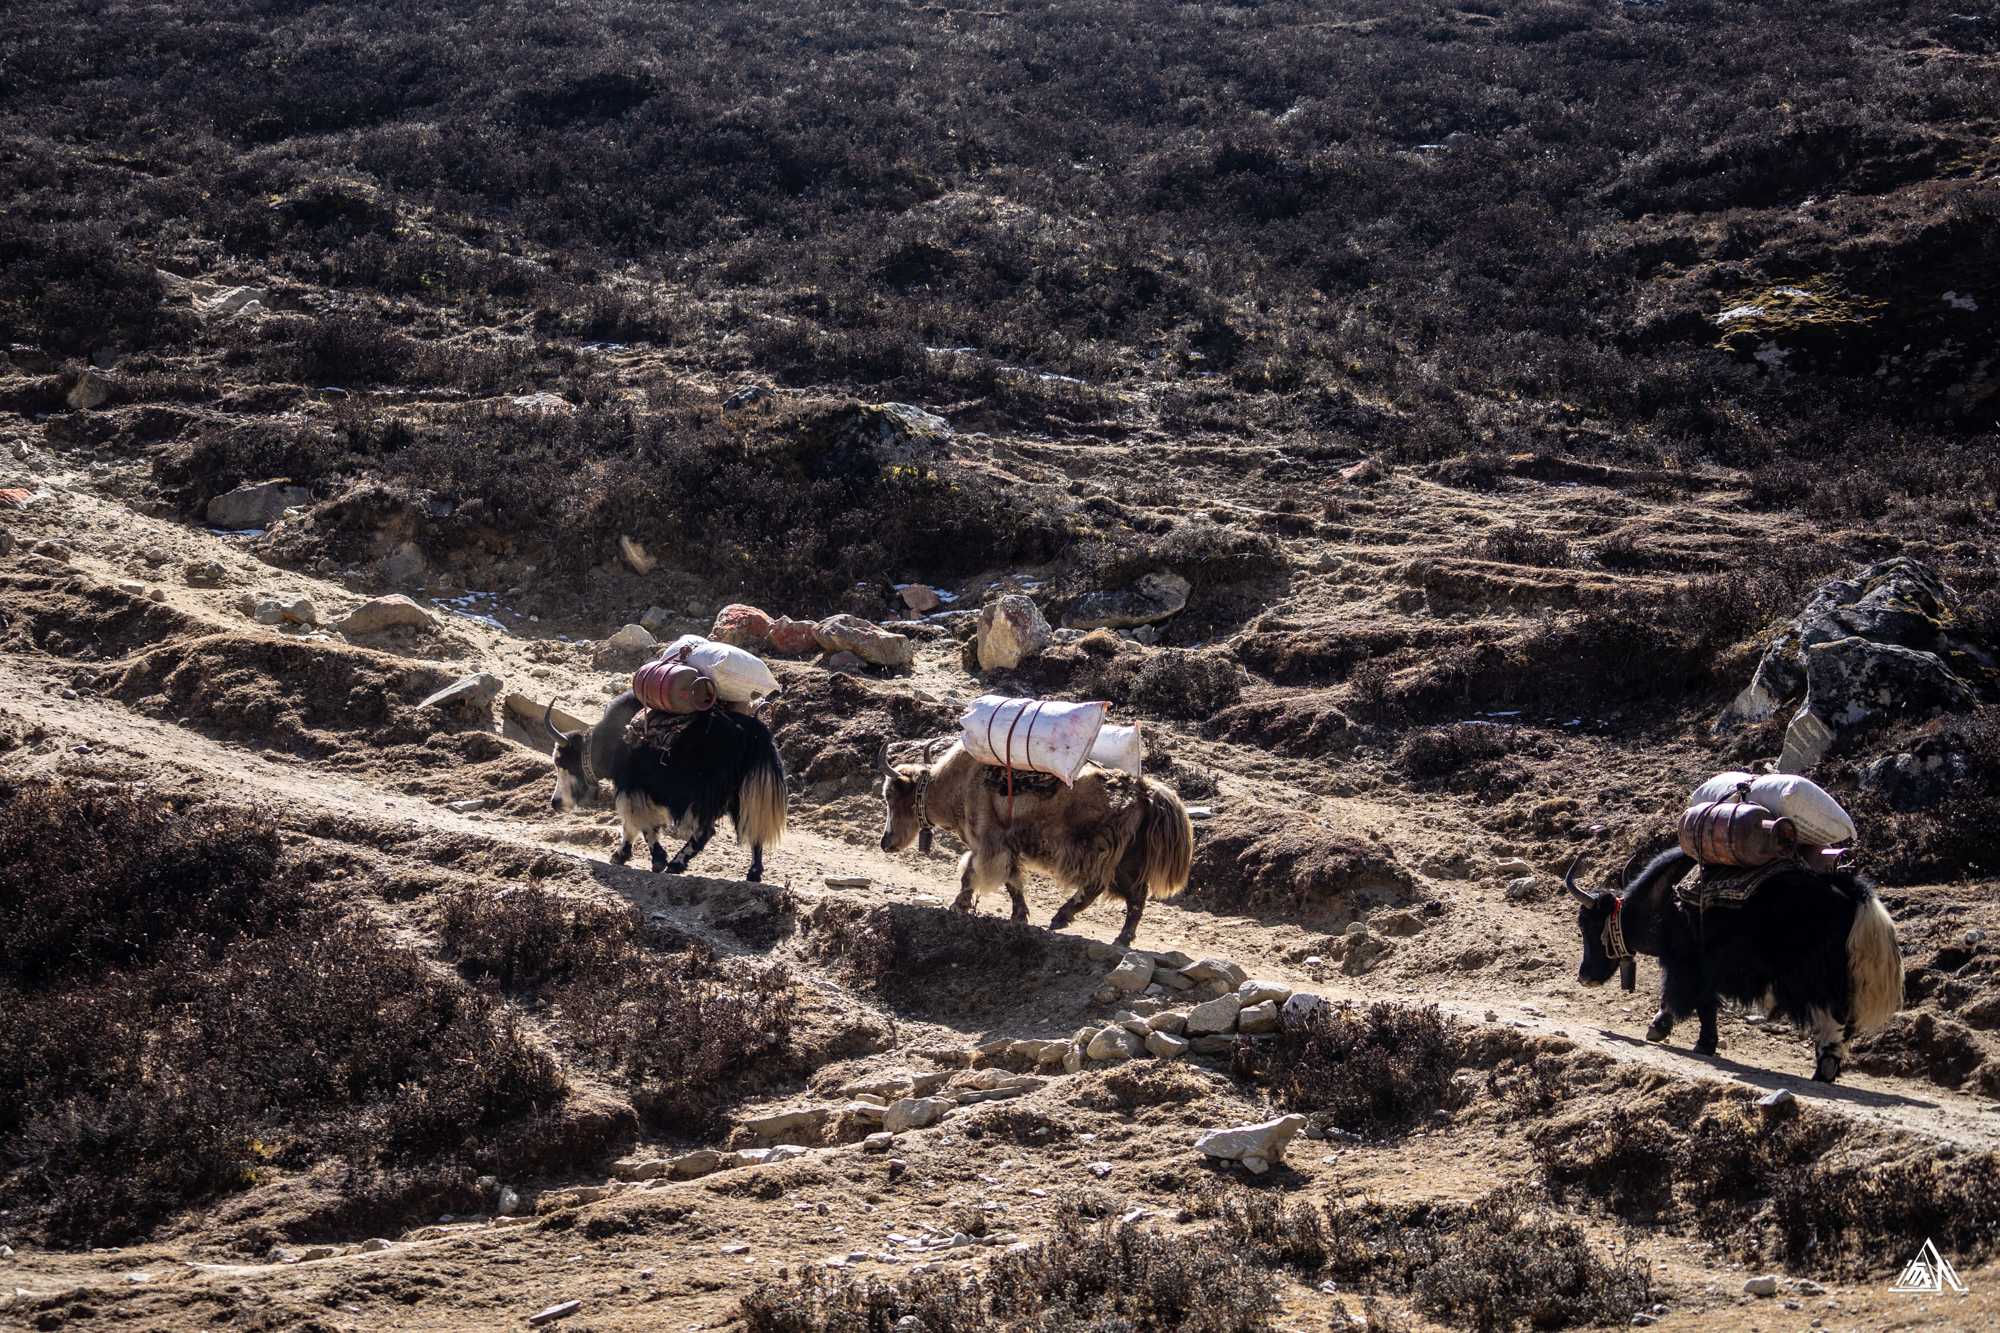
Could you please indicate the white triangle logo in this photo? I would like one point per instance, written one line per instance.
(1930, 1273)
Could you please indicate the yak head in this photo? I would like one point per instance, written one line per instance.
(901, 825)
(573, 787)
(1591, 917)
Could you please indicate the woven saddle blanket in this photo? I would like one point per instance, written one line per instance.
(656, 729)
(1730, 886)
(1026, 781)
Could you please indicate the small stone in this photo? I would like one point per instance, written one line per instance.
(1766, 1285)
(793, 638)
(631, 639)
(1258, 1017)
(920, 598)
(1097, 951)
(878, 1142)
(156, 593)
(1775, 1100)
(788, 1122)
(1166, 1045)
(1213, 1044)
(785, 1152)
(1105, 994)
(1100, 1169)
(510, 1201)
(636, 558)
(90, 391)
(656, 618)
(478, 690)
(915, 1113)
(1135, 973)
(734, 1249)
(256, 506)
(555, 1312)
(700, 1162)
(1168, 1020)
(1523, 887)
(640, 1168)
(1153, 598)
(1115, 1043)
(1073, 1059)
(467, 807)
(131, 587)
(1216, 969)
(1301, 1006)
(298, 610)
(1009, 631)
(1216, 1016)
(1171, 980)
(374, 1245)
(1265, 1142)
(378, 614)
(1398, 923)
(871, 643)
(1257, 992)
(316, 1253)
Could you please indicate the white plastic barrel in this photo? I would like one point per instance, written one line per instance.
(1119, 747)
(1816, 815)
(1036, 734)
(739, 676)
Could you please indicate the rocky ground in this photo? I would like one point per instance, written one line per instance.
(148, 649)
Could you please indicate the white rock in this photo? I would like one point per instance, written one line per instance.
(466, 807)
(1265, 1142)
(1166, 1045)
(131, 587)
(1008, 631)
(1521, 888)
(510, 1201)
(1218, 1015)
(298, 610)
(1073, 1059)
(786, 1152)
(555, 1312)
(1115, 1043)
(915, 1113)
(1767, 1285)
(863, 1110)
(1258, 1017)
(1135, 973)
(1256, 992)
(1171, 1021)
(631, 639)
(878, 1142)
(374, 1245)
(477, 690)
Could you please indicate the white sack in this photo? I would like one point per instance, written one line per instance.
(1817, 816)
(1119, 747)
(739, 676)
(1036, 734)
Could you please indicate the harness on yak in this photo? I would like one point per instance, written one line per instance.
(655, 728)
(1730, 886)
(1008, 750)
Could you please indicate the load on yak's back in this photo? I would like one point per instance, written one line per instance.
(1035, 784)
(1752, 908)
(689, 743)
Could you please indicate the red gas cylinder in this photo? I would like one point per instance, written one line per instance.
(1736, 833)
(673, 687)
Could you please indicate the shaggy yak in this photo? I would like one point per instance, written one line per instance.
(719, 762)
(1815, 948)
(1110, 832)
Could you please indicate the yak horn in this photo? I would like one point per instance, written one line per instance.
(882, 760)
(1569, 880)
(929, 745)
(548, 723)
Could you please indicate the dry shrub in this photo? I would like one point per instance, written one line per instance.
(1169, 682)
(1440, 752)
(220, 1024)
(1374, 1068)
(1518, 544)
(679, 1023)
(1507, 1267)
(1087, 1278)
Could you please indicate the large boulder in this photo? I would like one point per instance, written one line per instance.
(631, 647)
(870, 643)
(1009, 631)
(474, 692)
(741, 626)
(380, 613)
(1256, 1146)
(793, 638)
(256, 506)
(1913, 781)
(1153, 598)
(906, 434)
(1885, 641)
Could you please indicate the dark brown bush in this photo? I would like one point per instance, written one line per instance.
(1519, 544)
(1438, 752)
(1374, 1068)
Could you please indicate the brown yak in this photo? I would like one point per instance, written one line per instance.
(1111, 831)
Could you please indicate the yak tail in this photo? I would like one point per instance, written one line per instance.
(1874, 966)
(1169, 838)
(760, 801)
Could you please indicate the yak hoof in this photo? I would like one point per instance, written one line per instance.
(755, 877)
(1827, 1070)
(660, 861)
(1658, 1033)
(622, 855)
(1706, 1046)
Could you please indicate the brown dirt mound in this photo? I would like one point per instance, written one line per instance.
(1258, 857)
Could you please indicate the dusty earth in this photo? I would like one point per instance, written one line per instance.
(119, 671)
